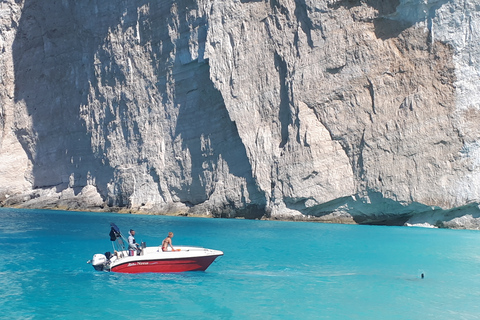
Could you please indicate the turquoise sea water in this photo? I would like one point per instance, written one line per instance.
(270, 270)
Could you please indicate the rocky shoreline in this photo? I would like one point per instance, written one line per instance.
(466, 217)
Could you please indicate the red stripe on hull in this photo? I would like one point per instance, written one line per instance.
(166, 266)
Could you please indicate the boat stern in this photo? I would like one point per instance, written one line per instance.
(99, 261)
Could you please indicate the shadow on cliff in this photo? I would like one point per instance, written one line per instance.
(369, 209)
(210, 136)
(385, 28)
(59, 56)
(388, 24)
(53, 55)
(372, 208)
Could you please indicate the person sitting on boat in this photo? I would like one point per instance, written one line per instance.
(167, 242)
(132, 244)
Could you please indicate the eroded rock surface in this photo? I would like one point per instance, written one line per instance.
(337, 110)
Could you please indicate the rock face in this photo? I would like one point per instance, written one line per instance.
(336, 110)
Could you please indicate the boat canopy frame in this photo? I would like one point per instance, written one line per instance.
(119, 242)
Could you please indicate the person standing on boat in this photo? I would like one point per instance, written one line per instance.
(167, 242)
(132, 244)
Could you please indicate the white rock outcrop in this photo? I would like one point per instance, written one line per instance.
(337, 110)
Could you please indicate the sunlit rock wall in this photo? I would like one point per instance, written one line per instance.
(341, 111)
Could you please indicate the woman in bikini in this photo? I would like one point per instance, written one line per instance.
(167, 242)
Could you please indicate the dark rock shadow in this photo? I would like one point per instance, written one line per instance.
(384, 7)
(53, 54)
(385, 28)
(208, 133)
(378, 210)
(60, 51)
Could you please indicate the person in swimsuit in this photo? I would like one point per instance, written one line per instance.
(167, 242)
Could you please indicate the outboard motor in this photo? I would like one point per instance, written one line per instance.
(99, 261)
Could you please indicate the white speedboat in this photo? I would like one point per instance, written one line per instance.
(152, 259)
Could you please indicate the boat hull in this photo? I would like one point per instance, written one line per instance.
(153, 259)
(165, 266)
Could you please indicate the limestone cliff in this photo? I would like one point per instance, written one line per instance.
(336, 110)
